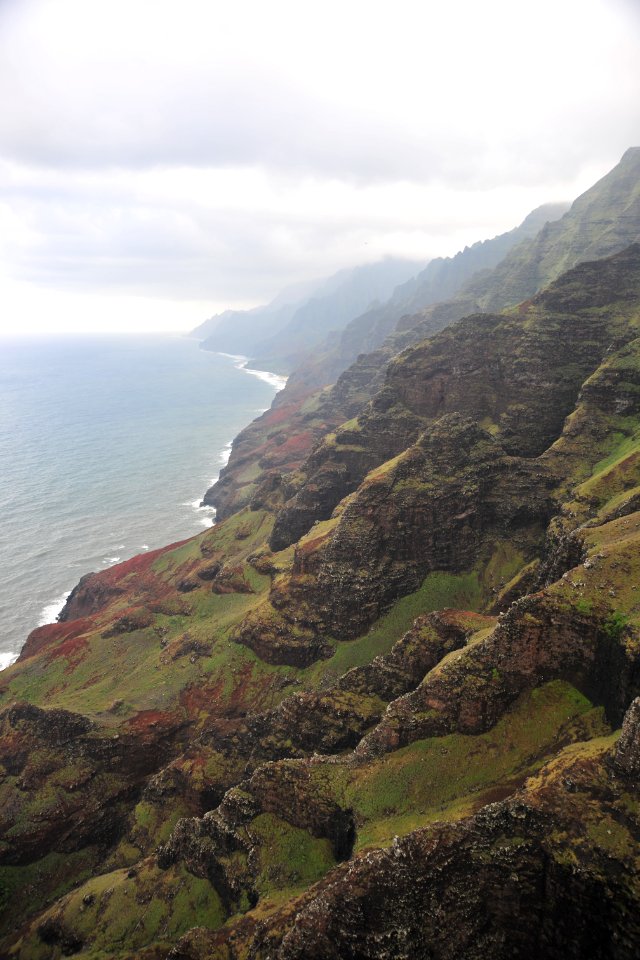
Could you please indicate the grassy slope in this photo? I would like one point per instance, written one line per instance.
(116, 679)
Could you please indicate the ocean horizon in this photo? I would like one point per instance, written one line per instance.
(107, 445)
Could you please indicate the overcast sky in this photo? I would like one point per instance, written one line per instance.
(160, 161)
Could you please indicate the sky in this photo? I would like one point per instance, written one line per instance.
(160, 162)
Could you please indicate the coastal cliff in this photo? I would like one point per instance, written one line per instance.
(389, 705)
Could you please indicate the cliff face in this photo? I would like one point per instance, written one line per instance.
(417, 899)
(491, 367)
(441, 280)
(604, 220)
(390, 707)
(600, 222)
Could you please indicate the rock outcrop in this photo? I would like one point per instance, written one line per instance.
(387, 707)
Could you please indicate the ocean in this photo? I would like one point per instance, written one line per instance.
(107, 445)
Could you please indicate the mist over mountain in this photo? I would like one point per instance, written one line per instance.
(243, 327)
(277, 336)
(605, 210)
(440, 280)
(388, 706)
(600, 222)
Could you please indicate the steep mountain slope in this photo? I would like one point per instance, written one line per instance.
(328, 310)
(276, 337)
(399, 735)
(234, 330)
(441, 279)
(489, 364)
(606, 218)
(305, 410)
(603, 220)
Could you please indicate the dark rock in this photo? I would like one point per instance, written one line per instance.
(187, 584)
(627, 755)
(90, 595)
(210, 572)
(55, 934)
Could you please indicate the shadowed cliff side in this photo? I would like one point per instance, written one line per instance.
(394, 737)
(605, 219)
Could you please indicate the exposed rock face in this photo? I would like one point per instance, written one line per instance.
(489, 367)
(222, 845)
(357, 361)
(69, 760)
(605, 220)
(538, 640)
(627, 755)
(339, 464)
(88, 596)
(561, 552)
(499, 883)
(56, 727)
(463, 892)
(436, 509)
(372, 698)
(432, 637)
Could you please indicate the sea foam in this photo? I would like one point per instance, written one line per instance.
(7, 658)
(130, 477)
(224, 455)
(273, 379)
(52, 610)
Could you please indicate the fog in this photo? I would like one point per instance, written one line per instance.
(161, 162)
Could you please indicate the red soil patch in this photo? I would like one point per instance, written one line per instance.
(284, 411)
(296, 447)
(138, 564)
(214, 701)
(197, 699)
(147, 720)
(68, 647)
(275, 417)
(53, 633)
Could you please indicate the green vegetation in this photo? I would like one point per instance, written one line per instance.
(438, 590)
(615, 625)
(125, 910)
(447, 777)
(288, 857)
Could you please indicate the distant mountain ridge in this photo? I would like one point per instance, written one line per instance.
(602, 221)
(354, 309)
(441, 280)
(232, 328)
(279, 334)
(605, 216)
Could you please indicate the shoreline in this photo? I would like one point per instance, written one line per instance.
(205, 515)
(277, 380)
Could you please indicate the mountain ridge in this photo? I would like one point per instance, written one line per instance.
(254, 446)
(277, 335)
(410, 726)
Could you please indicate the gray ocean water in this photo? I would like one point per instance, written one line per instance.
(107, 445)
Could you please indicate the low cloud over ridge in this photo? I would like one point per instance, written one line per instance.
(215, 154)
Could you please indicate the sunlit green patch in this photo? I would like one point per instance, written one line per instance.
(45, 880)
(438, 590)
(153, 823)
(126, 910)
(287, 856)
(172, 559)
(448, 777)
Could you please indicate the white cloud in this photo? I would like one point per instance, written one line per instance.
(216, 152)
